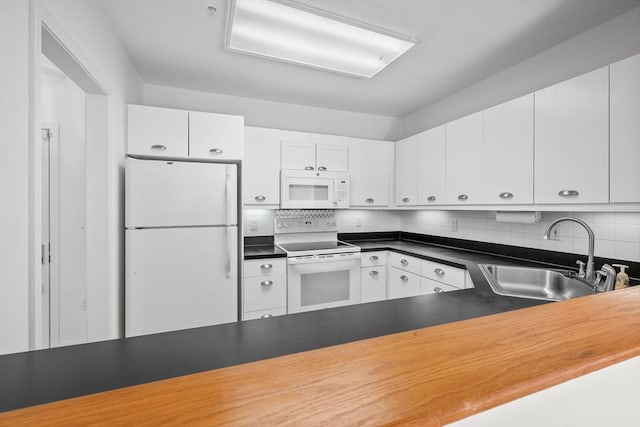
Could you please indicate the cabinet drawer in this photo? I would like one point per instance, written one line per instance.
(443, 273)
(402, 284)
(373, 259)
(262, 293)
(264, 314)
(428, 286)
(265, 267)
(373, 284)
(405, 262)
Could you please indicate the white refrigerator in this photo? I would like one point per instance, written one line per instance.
(181, 243)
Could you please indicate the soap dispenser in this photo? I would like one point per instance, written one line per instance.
(622, 279)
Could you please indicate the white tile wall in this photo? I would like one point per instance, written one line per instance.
(617, 233)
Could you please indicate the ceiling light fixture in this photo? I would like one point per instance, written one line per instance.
(291, 32)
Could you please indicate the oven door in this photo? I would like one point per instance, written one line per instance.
(323, 281)
(304, 190)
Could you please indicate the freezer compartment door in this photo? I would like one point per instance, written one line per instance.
(162, 193)
(180, 278)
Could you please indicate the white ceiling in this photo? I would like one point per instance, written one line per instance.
(176, 43)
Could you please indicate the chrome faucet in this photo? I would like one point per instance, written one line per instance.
(589, 275)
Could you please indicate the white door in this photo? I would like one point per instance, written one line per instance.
(508, 152)
(178, 278)
(464, 160)
(431, 166)
(163, 193)
(154, 131)
(215, 136)
(332, 157)
(261, 166)
(298, 155)
(370, 166)
(625, 130)
(407, 171)
(572, 140)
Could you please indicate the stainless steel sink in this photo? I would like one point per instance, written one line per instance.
(535, 283)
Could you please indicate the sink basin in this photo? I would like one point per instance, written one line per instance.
(534, 283)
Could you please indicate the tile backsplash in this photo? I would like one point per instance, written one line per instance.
(617, 233)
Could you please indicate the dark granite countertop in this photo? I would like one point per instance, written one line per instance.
(263, 251)
(47, 375)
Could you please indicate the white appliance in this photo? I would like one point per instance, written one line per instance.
(181, 238)
(308, 189)
(322, 272)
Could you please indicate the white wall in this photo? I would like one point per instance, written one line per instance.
(598, 47)
(14, 171)
(617, 233)
(63, 103)
(277, 115)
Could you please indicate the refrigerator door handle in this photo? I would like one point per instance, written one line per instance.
(227, 192)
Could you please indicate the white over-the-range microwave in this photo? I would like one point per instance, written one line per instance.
(303, 189)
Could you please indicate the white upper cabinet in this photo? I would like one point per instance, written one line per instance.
(215, 136)
(261, 166)
(431, 166)
(464, 160)
(508, 152)
(154, 131)
(572, 140)
(625, 130)
(407, 171)
(315, 152)
(370, 168)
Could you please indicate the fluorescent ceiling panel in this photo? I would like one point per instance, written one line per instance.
(290, 32)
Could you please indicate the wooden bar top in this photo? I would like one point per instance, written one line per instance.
(429, 376)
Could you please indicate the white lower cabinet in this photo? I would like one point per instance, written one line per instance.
(428, 286)
(264, 288)
(373, 284)
(402, 284)
(452, 276)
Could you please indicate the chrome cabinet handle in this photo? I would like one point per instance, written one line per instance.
(463, 197)
(439, 272)
(373, 273)
(404, 278)
(431, 198)
(506, 195)
(158, 147)
(369, 200)
(404, 261)
(309, 168)
(215, 151)
(438, 289)
(266, 316)
(568, 193)
(266, 283)
(374, 258)
(405, 200)
(260, 198)
(266, 266)
(322, 168)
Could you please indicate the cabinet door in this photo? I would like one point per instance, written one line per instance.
(572, 140)
(508, 152)
(154, 131)
(261, 167)
(464, 160)
(373, 284)
(625, 130)
(263, 293)
(332, 157)
(215, 136)
(407, 171)
(428, 286)
(370, 165)
(298, 154)
(431, 167)
(403, 284)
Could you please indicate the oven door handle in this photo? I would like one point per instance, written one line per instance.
(318, 266)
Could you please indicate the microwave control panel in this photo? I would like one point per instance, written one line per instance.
(304, 221)
(342, 193)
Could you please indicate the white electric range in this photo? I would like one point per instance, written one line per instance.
(322, 272)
